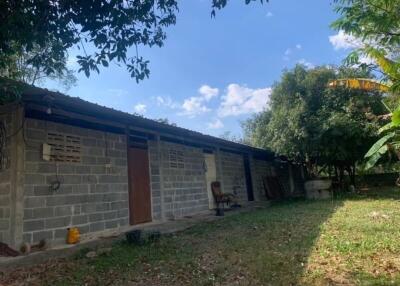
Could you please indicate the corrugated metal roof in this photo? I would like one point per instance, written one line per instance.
(44, 97)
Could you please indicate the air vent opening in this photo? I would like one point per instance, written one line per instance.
(176, 159)
(64, 148)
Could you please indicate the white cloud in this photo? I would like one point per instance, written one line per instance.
(290, 51)
(236, 100)
(240, 99)
(196, 105)
(160, 100)
(216, 124)
(306, 63)
(287, 54)
(140, 108)
(166, 101)
(72, 62)
(363, 59)
(344, 41)
(208, 92)
(269, 14)
(117, 92)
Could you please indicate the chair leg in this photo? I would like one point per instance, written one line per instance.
(219, 211)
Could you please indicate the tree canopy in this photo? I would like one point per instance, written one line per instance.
(28, 67)
(313, 124)
(377, 21)
(109, 27)
(377, 25)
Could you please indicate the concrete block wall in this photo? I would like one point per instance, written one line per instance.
(155, 179)
(261, 169)
(93, 194)
(298, 180)
(5, 185)
(283, 173)
(233, 174)
(184, 189)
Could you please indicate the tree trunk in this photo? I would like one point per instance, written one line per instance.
(353, 175)
(341, 178)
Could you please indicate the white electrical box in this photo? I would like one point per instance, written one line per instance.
(46, 151)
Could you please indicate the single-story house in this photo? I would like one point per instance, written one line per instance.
(67, 162)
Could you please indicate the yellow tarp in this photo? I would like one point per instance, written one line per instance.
(359, 83)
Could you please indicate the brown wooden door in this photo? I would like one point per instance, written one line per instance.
(139, 186)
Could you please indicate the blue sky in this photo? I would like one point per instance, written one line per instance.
(212, 74)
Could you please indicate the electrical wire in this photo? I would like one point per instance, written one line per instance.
(3, 140)
(18, 129)
(56, 184)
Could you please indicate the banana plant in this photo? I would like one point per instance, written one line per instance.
(390, 67)
(388, 143)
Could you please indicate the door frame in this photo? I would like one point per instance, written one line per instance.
(138, 145)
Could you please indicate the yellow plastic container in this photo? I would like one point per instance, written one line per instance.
(73, 235)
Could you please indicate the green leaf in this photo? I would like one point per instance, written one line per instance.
(378, 145)
(386, 127)
(375, 157)
(396, 117)
(385, 105)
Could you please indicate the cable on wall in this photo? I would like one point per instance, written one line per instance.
(55, 184)
(3, 140)
(4, 137)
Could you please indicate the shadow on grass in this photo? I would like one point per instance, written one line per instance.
(269, 246)
(273, 245)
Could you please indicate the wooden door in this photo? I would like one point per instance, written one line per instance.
(211, 176)
(139, 186)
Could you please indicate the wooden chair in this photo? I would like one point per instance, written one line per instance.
(220, 197)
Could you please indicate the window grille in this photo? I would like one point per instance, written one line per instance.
(64, 148)
(176, 159)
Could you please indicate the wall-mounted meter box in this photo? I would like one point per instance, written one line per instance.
(46, 151)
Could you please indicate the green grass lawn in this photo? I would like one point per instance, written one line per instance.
(352, 241)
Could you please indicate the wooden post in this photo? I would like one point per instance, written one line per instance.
(160, 164)
(17, 177)
(220, 175)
